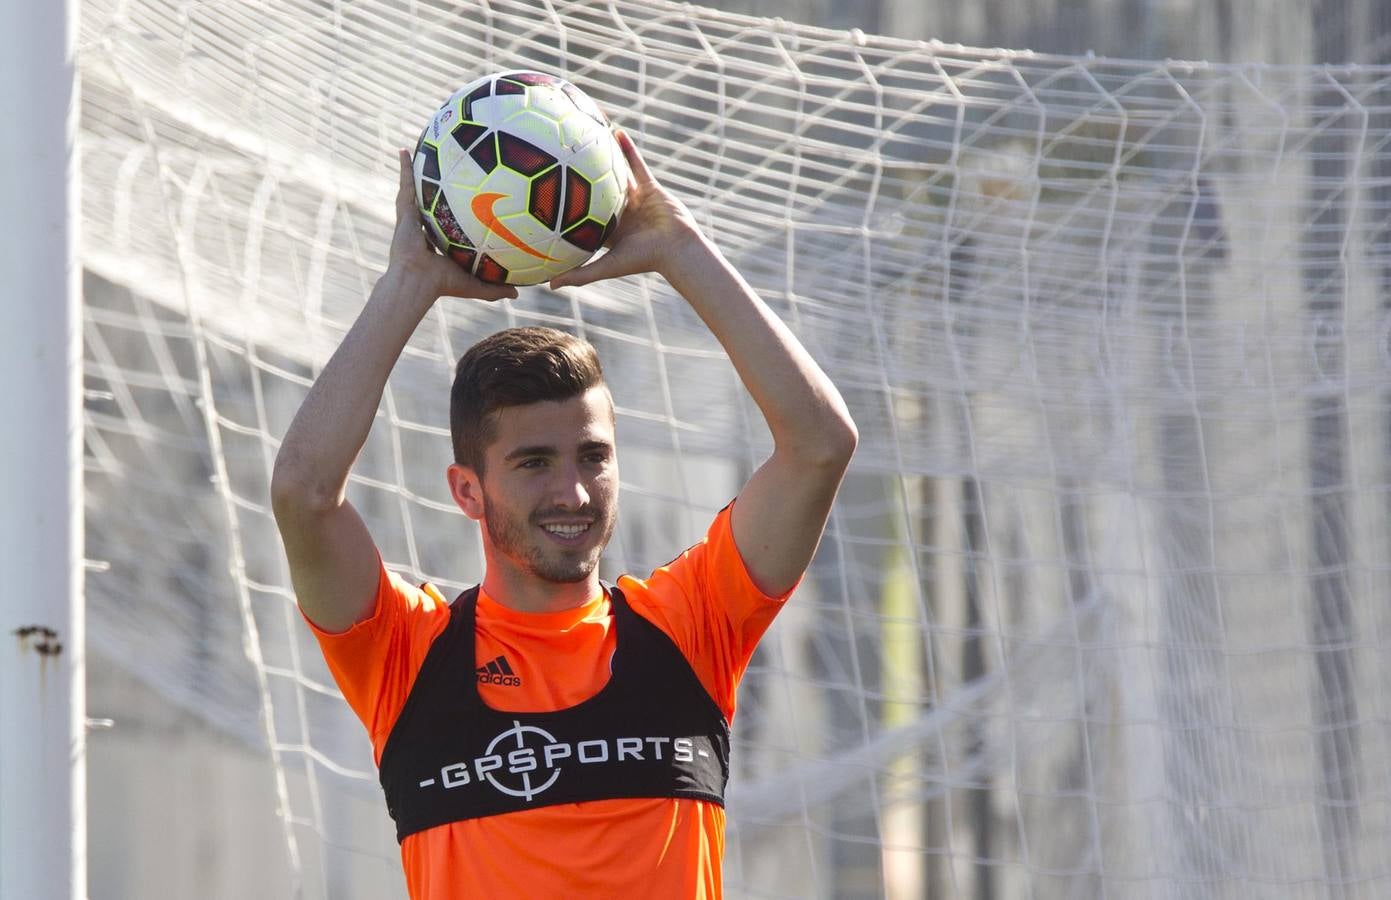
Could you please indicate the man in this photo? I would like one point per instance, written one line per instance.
(545, 735)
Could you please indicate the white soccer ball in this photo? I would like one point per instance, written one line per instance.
(519, 178)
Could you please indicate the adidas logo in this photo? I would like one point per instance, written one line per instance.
(498, 672)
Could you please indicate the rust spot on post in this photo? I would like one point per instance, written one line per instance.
(39, 638)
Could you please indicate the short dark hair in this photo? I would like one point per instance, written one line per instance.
(513, 368)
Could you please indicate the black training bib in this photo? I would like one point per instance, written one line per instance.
(651, 731)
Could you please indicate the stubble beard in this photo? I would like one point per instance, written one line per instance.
(517, 539)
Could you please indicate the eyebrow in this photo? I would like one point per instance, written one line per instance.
(548, 450)
(534, 450)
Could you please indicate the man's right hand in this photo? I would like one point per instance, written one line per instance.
(414, 259)
(333, 561)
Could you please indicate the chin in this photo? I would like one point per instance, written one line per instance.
(567, 575)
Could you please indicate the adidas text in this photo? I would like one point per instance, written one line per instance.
(498, 672)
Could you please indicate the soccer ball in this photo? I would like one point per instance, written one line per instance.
(518, 177)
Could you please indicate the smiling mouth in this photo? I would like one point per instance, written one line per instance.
(567, 532)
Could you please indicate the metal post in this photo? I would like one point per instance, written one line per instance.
(43, 821)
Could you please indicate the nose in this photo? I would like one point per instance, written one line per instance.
(569, 491)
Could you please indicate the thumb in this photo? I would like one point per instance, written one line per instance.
(406, 209)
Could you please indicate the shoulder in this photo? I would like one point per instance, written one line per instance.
(713, 568)
(707, 603)
(396, 601)
(391, 643)
(374, 662)
(705, 598)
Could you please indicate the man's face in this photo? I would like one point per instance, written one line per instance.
(550, 492)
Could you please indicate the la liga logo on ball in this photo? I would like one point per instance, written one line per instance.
(518, 177)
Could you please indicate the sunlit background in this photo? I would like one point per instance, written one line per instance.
(1101, 611)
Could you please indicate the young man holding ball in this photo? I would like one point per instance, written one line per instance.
(544, 736)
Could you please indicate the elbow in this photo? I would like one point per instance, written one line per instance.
(834, 444)
(847, 438)
(286, 488)
(294, 490)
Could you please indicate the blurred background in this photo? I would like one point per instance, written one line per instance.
(1101, 610)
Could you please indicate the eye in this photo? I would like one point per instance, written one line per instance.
(534, 463)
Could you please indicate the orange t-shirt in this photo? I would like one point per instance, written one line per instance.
(703, 600)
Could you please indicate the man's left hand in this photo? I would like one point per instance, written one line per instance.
(655, 227)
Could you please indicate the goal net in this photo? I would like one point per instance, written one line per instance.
(1102, 607)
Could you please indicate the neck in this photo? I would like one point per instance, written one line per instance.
(525, 592)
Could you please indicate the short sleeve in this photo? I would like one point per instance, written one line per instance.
(707, 602)
(374, 662)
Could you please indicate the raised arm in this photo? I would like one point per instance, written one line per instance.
(782, 510)
(333, 562)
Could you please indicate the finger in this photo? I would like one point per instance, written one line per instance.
(405, 193)
(462, 284)
(609, 265)
(492, 293)
(635, 160)
(473, 289)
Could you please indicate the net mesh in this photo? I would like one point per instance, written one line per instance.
(1100, 611)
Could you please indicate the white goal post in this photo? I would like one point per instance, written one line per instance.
(1101, 610)
(43, 825)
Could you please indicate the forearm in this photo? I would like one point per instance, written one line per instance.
(804, 411)
(332, 423)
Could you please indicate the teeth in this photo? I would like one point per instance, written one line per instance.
(566, 530)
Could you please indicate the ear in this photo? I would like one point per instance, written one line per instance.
(467, 490)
